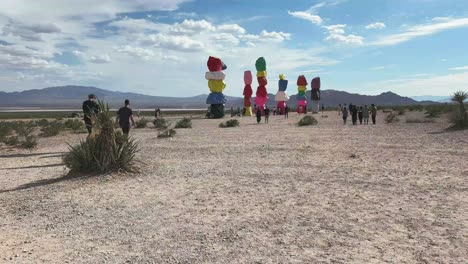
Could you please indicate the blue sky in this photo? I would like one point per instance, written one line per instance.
(160, 47)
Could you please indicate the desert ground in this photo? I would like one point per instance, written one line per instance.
(276, 193)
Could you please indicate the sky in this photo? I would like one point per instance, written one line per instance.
(160, 47)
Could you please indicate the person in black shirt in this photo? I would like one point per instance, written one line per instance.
(90, 109)
(267, 114)
(286, 112)
(124, 115)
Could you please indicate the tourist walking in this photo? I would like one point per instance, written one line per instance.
(124, 116)
(267, 114)
(90, 109)
(365, 115)
(344, 113)
(340, 108)
(286, 112)
(360, 115)
(374, 113)
(354, 114)
(259, 115)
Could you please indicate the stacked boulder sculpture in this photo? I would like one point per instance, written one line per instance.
(248, 93)
(281, 96)
(215, 77)
(261, 95)
(301, 95)
(315, 94)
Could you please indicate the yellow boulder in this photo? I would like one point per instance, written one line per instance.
(261, 74)
(216, 86)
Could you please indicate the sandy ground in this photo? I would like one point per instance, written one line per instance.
(276, 193)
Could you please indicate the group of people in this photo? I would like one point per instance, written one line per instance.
(266, 112)
(124, 115)
(360, 113)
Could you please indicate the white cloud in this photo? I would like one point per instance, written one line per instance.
(138, 52)
(377, 68)
(178, 43)
(422, 86)
(438, 19)
(336, 29)
(135, 25)
(191, 27)
(377, 25)
(421, 30)
(100, 59)
(348, 39)
(231, 28)
(315, 19)
(29, 32)
(463, 68)
(266, 36)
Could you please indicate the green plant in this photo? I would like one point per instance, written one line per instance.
(391, 118)
(142, 123)
(52, 129)
(459, 117)
(29, 142)
(307, 121)
(42, 123)
(11, 141)
(230, 123)
(168, 133)
(160, 123)
(108, 151)
(184, 123)
(5, 130)
(75, 125)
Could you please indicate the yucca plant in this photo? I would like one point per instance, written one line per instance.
(459, 119)
(107, 151)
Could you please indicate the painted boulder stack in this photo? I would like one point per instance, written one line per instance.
(248, 93)
(315, 94)
(261, 95)
(301, 94)
(281, 96)
(215, 77)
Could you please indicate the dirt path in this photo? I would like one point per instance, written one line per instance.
(272, 193)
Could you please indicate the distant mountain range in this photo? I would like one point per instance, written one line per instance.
(71, 97)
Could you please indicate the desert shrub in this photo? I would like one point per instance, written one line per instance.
(75, 125)
(307, 121)
(420, 121)
(168, 133)
(5, 130)
(29, 142)
(184, 123)
(458, 117)
(108, 151)
(141, 123)
(160, 123)
(52, 129)
(433, 111)
(391, 118)
(11, 141)
(230, 123)
(42, 123)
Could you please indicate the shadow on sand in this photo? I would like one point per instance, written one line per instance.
(46, 155)
(45, 182)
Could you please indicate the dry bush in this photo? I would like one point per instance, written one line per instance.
(168, 133)
(391, 118)
(184, 123)
(108, 151)
(142, 123)
(161, 123)
(230, 123)
(307, 121)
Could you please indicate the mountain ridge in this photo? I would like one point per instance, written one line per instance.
(71, 96)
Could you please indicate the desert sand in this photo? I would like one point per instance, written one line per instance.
(276, 193)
